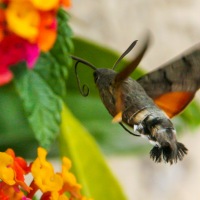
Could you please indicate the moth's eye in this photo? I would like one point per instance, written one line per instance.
(96, 77)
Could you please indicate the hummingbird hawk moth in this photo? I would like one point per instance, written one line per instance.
(147, 104)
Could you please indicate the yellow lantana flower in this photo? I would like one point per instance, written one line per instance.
(43, 173)
(45, 5)
(23, 19)
(70, 182)
(6, 172)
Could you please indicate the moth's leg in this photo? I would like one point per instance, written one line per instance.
(126, 129)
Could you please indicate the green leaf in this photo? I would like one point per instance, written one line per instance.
(41, 105)
(15, 130)
(63, 45)
(88, 163)
(53, 73)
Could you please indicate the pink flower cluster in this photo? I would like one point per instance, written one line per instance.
(26, 28)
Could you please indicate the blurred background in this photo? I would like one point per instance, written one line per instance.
(174, 26)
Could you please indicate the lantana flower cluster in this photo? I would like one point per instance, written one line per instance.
(54, 186)
(27, 27)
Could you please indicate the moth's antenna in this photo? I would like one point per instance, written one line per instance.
(125, 72)
(84, 90)
(124, 54)
(84, 62)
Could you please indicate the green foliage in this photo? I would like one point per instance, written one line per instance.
(15, 131)
(189, 118)
(53, 73)
(41, 104)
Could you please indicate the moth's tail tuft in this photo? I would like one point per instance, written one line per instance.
(156, 154)
(167, 153)
(182, 150)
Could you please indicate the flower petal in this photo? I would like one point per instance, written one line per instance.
(45, 4)
(44, 175)
(6, 172)
(20, 169)
(65, 3)
(48, 31)
(70, 183)
(11, 50)
(23, 19)
(32, 54)
(8, 192)
(14, 49)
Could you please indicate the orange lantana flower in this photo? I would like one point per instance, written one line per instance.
(10, 192)
(54, 186)
(48, 31)
(20, 169)
(70, 182)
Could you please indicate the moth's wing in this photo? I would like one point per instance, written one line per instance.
(124, 74)
(174, 102)
(173, 85)
(126, 71)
